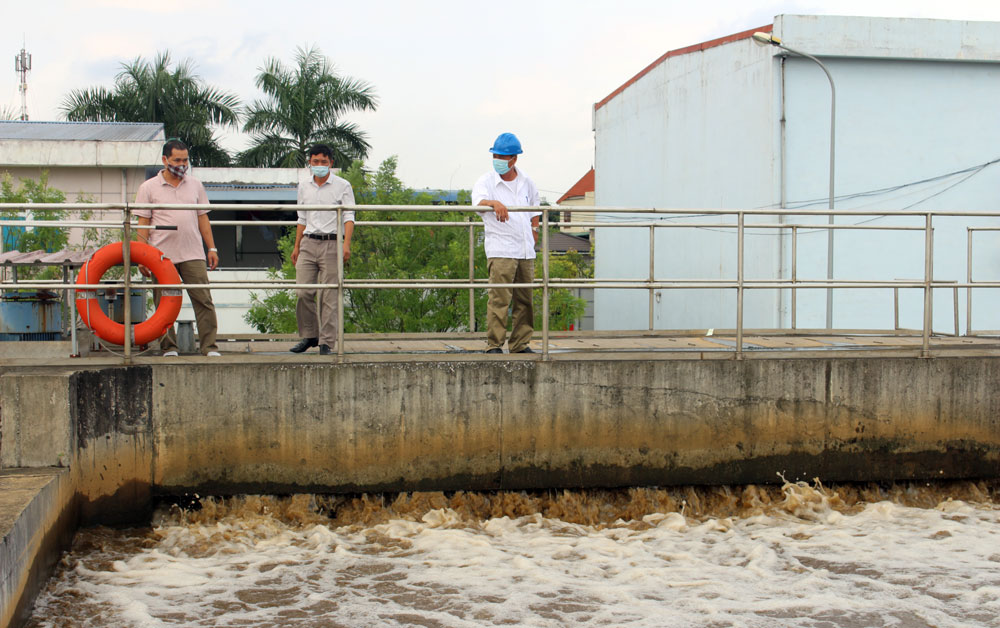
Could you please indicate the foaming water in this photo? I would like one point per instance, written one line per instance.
(799, 555)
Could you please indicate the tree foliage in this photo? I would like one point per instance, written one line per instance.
(37, 238)
(304, 105)
(153, 91)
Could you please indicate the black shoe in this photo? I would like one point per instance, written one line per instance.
(525, 350)
(325, 350)
(304, 344)
(494, 350)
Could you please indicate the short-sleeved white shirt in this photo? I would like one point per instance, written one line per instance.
(184, 244)
(334, 191)
(512, 239)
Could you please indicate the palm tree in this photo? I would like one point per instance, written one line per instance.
(150, 91)
(303, 106)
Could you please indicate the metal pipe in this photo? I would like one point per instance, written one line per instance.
(955, 310)
(472, 276)
(127, 261)
(925, 351)
(545, 284)
(895, 308)
(833, 136)
(795, 235)
(340, 285)
(652, 254)
(968, 279)
(434, 208)
(739, 288)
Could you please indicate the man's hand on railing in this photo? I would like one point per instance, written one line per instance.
(498, 208)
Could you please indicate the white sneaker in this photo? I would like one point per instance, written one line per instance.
(170, 354)
(214, 354)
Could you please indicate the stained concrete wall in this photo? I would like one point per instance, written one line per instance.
(238, 427)
(37, 520)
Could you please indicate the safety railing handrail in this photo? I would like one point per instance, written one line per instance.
(740, 225)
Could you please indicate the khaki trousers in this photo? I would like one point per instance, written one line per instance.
(317, 263)
(194, 271)
(507, 270)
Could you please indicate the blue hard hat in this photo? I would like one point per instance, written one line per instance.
(506, 144)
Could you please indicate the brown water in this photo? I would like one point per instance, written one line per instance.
(797, 555)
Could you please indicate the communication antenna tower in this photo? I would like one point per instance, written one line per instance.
(22, 65)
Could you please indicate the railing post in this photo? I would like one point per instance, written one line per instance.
(895, 309)
(127, 262)
(968, 280)
(652, 255)
(956, 311)
(795, 271)
(545, 284)
(472, 274)
(739, 286)
(925, 351)
(340, 283)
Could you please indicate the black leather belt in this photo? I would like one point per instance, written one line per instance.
(321, 236)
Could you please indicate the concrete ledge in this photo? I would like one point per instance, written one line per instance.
(37, 521)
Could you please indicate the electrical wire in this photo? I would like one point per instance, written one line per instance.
(969, 172)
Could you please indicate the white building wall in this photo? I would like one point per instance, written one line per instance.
(693, 133)
(915, 100)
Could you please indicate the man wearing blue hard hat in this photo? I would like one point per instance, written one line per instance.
(510, 244)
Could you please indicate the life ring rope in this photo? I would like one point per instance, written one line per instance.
(141, 254)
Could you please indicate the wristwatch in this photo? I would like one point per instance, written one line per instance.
(210, 250)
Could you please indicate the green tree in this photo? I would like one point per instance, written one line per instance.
(38, 238)
(305, 105)
(153, 91)
(423, 252)
(564, 308)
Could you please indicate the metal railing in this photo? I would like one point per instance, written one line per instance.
(740, 284)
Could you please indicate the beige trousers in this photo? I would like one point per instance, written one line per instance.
(194, 271)
(508, 270)
(317, 263)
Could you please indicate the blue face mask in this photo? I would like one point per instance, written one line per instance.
(502, 166)
(320, 171)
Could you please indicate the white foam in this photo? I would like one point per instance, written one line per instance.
(885, 565)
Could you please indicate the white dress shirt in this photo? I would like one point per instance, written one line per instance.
(334, 191)
(512, 239)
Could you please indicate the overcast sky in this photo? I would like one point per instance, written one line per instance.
(449, 75)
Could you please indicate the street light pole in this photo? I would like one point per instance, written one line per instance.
(765, 39)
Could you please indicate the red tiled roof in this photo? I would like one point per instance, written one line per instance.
(580, 188)
(682, 51)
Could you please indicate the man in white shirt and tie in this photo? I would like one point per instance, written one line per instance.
(510, 244)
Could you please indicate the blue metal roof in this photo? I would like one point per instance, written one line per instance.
(82, 131)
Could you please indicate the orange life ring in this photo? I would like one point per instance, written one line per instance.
(95, 318)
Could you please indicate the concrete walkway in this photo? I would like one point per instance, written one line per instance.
(562, 346)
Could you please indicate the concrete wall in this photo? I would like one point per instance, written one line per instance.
(703, 130)
(238, 427)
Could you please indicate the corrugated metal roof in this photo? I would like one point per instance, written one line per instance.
(43, 258)
(83, 131)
